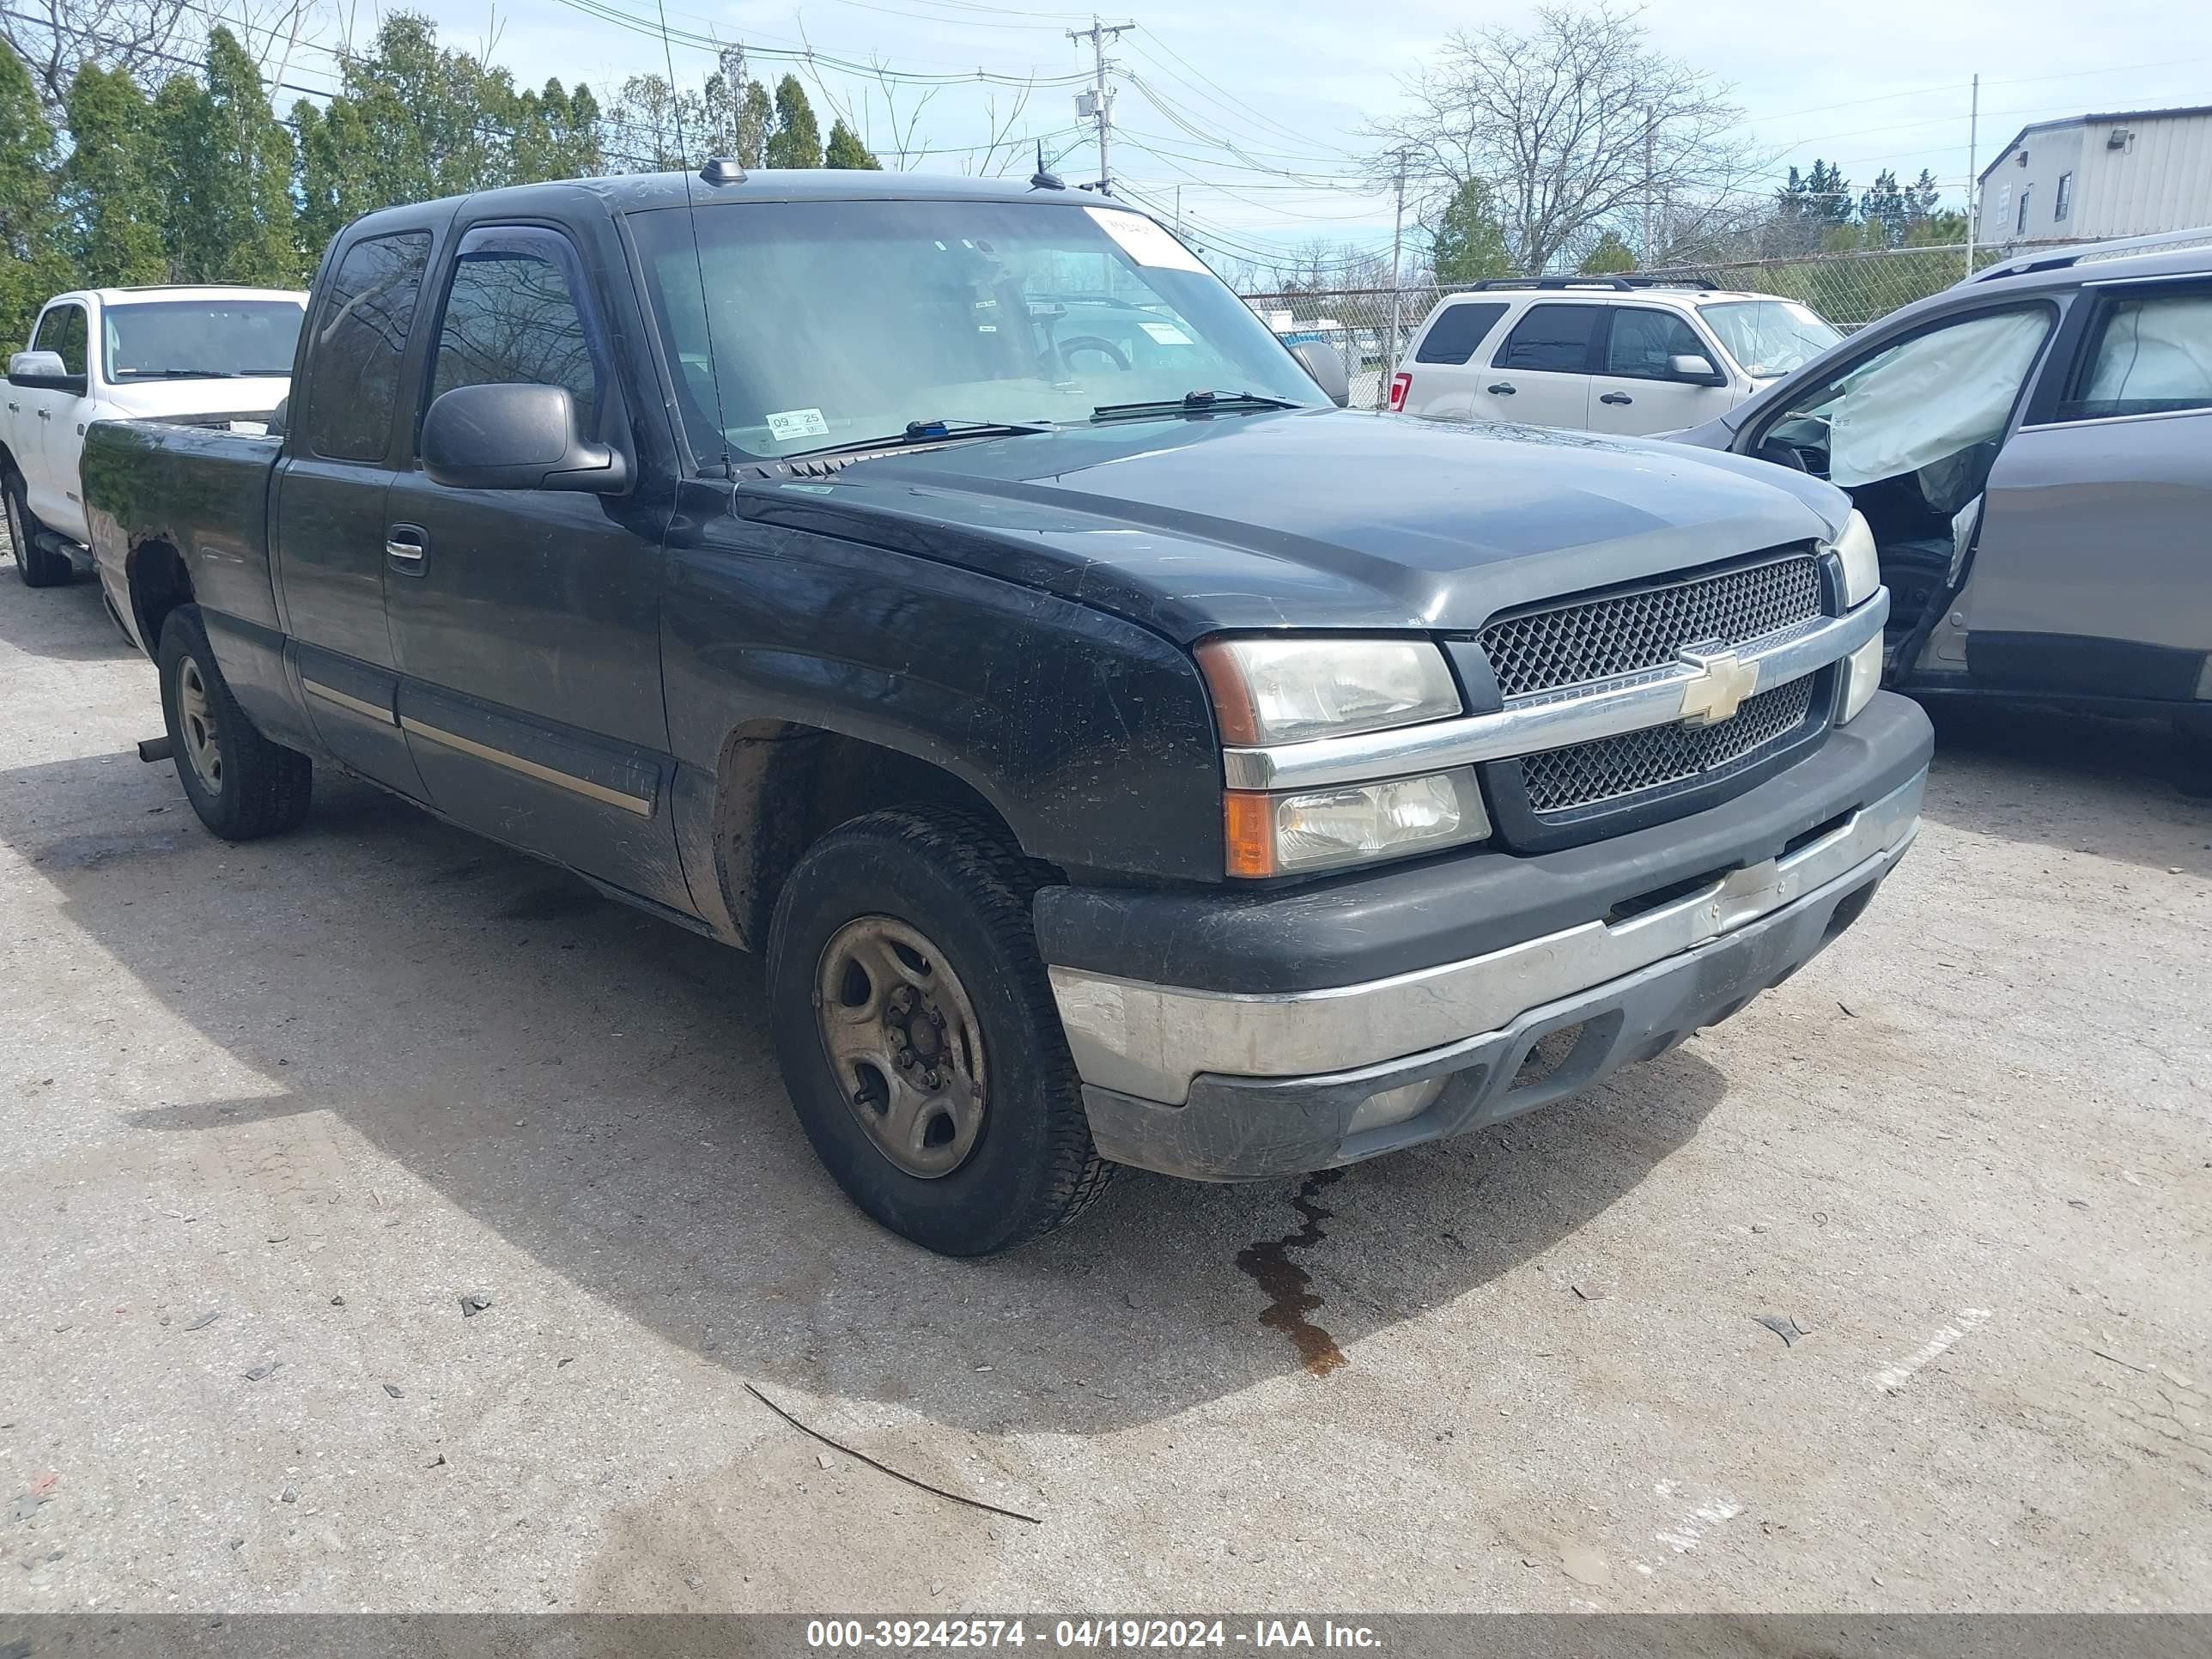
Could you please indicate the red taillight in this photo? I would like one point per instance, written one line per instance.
(1401, 384)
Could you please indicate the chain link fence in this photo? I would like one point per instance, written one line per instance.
(1850, 289)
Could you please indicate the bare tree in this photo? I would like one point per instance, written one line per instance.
(1576, 126)
(142, 37)
(997, 158)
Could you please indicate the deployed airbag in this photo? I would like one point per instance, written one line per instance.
(2156, 353)
(1933, 397)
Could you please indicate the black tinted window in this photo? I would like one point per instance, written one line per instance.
(512, 316)
(1458, 330)
(63, 330)
(1642, 340)
(2152, 356)
(360, 332)
(1552, 336)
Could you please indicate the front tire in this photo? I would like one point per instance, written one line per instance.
(242, 785)
(37, 566)
(918, 1036)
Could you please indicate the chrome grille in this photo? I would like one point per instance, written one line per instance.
(1572, 643)
(1588, 773)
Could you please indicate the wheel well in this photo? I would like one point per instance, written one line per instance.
(782, 787)
(159, 585)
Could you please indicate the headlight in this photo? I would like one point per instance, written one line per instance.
(1861, 565)
(1322, 829)
(1862, 677)
(1291, 690)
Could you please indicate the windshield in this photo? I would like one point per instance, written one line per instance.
(839, 322)
(1769, 337)
(192, 339)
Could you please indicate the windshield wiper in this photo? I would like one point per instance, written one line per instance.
(182, 373)
(926, 432)
(1193, 403)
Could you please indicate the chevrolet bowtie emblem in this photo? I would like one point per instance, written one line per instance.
(1718, 688)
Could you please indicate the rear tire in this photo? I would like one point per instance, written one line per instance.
(37, 566)
(969, 1017)
(242, 785)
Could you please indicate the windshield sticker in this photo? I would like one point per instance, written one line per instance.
(786, 424)
(1165, 333)
(1144, 241)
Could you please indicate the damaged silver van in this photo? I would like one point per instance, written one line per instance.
(2031, 451)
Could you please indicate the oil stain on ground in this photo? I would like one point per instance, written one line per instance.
(1290, 1296)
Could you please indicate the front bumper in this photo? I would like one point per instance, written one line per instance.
(1234, 1085)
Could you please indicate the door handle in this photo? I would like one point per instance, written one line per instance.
(404, 544)
(15, 408)
(1616, 397)
(45, 413)
(1500, 390)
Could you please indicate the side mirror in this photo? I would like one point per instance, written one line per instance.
(1695, 367)
(515, 437)
(43, 371)
(1326, 364)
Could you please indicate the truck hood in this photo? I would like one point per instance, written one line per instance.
(1315, 517)
(251, 398)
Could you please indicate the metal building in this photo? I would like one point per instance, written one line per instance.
(2130, 174)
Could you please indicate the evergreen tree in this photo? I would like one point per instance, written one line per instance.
(111, 193)
(1609, 258)
(755, 119)
(32, 264)
(797, 140)
(227, 166)
(846, 149)
(1469, 244)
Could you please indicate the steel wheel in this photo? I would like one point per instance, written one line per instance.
(196, 726)
(903, 1037)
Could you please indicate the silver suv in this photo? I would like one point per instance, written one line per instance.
(2033, 450)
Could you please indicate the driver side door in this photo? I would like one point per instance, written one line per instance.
(526, 623)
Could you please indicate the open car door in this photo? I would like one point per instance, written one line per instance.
(1913, 430)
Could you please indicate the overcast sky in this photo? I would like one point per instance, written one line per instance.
(1289, 83)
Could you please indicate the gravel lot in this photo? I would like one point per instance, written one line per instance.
(270, 1112)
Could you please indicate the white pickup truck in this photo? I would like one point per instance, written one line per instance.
(201, 355)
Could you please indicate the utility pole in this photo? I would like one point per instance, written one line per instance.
(1101, 100)
(1973, 180)
(1643, 253)
(1397, 280)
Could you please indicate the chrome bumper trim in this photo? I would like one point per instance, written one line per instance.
(1553, 720)
(1152, 1039)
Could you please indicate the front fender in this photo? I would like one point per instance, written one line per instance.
(1090, 736)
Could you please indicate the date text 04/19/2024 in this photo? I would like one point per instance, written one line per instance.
(898, 1634)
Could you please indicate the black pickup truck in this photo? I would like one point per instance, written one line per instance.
(1122, 754)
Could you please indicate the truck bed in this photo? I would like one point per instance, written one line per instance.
(200, 490)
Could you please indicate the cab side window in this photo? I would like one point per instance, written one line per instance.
(2152, 356)
(514, 315)
(1642, 340)
(360, 336)
(1555, 338)
(63, 331)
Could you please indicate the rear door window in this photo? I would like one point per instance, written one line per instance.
(1552, 336)
(1458, 330)
(1642, 339)
(2152, 355)
(360, 338)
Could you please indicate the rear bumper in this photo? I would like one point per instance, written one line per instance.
(1234, 1084)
